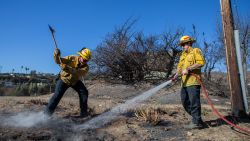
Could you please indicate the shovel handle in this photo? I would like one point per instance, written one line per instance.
(52, 33)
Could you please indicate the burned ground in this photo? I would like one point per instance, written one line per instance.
(168, 117)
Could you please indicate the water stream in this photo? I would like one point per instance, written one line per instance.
(108, 116)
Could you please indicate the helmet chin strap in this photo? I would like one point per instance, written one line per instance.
(81, 60)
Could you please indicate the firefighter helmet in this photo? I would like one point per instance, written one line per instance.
(186, 39)
(85, 54)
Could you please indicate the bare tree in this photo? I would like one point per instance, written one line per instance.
(213, 53)
(242, 24)
(171, 48)
(244, 28)
(112, 55)
(132, 56)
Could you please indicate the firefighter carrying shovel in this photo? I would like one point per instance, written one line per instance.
(73, 68)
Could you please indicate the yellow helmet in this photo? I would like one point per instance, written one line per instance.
(85, 54)
(185, 39)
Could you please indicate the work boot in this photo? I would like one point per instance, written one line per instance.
(83, 115)
(47, 113)
(194, 126)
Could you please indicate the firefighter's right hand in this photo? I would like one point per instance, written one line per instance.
(57, 52)
(174, 78)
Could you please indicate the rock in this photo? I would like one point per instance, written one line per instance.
(190, 134)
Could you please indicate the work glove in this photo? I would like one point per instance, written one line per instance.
(57, 52)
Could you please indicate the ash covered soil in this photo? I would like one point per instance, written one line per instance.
(168, 117)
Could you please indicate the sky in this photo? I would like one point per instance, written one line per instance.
(26, 41)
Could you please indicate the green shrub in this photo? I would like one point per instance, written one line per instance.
(33, 89)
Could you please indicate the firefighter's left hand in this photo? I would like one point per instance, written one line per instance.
(57, 52)
(174, 78)
(63, 66)
(185, 72)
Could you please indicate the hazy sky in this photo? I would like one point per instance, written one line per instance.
(25, 38)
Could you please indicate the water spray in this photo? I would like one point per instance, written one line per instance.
(106, 117)
(26, 119)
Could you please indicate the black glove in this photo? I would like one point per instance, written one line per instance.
(57, 52)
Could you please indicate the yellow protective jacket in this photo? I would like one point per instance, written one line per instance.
(72, 69)
(187, 59)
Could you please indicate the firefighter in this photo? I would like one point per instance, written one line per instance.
(191, 61)
(73, 68)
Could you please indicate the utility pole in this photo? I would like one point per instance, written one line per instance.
(237, 104)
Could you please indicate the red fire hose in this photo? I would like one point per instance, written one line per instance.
(216, 111)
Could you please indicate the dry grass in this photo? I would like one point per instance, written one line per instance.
(149, 115)
(38, 102)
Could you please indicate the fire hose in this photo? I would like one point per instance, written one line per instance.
(215, 111)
